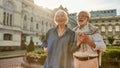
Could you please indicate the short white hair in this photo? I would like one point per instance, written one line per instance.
(59, 12)
(84, 11)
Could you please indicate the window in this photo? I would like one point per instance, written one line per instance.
(116, 20)
(10, 19)
(25, 18)
(112, 11)
(102, 21)
(110, 28)
(36, 26)
(4, 18)
(8, 13)
(7, 18)
(96, 21)
(42, 22)
(103, 28)
(7, 37)
(104, 11)
(117, 28)
(31, 19)
(109, 20)
(46, 24)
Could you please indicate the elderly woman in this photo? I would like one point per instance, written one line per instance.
(59, 42)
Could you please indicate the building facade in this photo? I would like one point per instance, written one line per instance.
(109, 26)
(108, 22)
(20, 20)
(103, 13)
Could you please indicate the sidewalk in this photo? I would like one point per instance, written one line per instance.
(14, 59)
(11, 54)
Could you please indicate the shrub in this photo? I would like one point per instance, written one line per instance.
(113, 54)
(111, 40)
(30, 47)
(111, 58)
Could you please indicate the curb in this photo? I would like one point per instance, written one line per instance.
(11, 56)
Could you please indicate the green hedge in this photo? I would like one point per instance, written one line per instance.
(111, 57)
(112, 52)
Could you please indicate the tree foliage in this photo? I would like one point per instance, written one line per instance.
(31, 46)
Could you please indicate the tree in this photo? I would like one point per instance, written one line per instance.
(111, 39)
(42, 37)
(31, 46)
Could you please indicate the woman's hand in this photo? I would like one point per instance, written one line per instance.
(45, 49)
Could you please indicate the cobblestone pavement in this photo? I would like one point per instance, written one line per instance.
(11, 62)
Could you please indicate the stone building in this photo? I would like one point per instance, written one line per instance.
(103, 13)
(109, 26)
(20, 20)
(108, 22)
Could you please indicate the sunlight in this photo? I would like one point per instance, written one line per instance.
(71, 5)
(78, 5)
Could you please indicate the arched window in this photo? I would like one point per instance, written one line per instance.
(42, 23)
(10, 19)
(7, 18)
(117, 28)
(46, 24)
(102, 28)
(37, 26)
(25, 18)
(9, 7)
(110, 28)
(31, 19)
(4, 18)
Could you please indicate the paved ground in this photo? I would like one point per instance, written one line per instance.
(9, 54)
(16, 62)
(13, 59)
(11, 62)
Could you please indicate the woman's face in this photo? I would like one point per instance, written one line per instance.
(60, 18)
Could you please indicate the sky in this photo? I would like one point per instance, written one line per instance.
(78, 5)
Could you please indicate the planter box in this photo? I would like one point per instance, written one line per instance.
(34, 60)
(35, 57)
